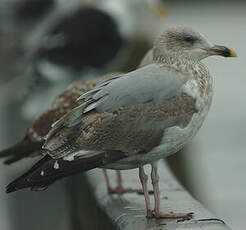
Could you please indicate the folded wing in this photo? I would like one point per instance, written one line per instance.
(119, 108)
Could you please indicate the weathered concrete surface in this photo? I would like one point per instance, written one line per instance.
(128, 211)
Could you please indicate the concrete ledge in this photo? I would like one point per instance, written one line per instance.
(127, 212)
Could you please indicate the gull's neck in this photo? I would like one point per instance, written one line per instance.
(176, 61)
(193, 69)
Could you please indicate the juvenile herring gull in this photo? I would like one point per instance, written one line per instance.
(134, 119)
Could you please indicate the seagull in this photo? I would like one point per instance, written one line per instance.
(134, 119)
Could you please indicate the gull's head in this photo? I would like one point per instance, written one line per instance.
(187, 43)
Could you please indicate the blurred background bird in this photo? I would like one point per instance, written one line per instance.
(62, 41)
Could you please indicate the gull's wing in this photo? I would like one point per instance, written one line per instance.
(151, 83)
(148, 84)
(127, 113)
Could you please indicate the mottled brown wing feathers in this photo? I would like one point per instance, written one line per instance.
(34, 139)
(128, 129)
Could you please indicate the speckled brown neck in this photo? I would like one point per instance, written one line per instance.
(187, 66)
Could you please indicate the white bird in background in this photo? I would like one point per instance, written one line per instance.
(79, 39)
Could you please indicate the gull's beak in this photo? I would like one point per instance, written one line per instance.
(222, 51)
(158, 8)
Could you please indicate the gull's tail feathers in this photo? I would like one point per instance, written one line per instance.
(48, 170)
(22, 149)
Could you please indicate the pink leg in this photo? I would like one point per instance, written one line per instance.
(110, 189)
(119, 188)
(119, 180)
(144, 178)
(156, 212)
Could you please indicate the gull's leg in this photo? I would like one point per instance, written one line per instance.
(155, 181)
(144, 178)
(119, 188)
(119, 180)
(110, 189)
(156, 212)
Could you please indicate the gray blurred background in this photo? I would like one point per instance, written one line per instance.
(212, 166)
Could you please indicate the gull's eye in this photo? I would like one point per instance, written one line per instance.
(189, 39)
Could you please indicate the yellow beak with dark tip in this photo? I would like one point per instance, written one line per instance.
(222, 51)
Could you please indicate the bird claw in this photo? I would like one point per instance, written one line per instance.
(149, 214)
